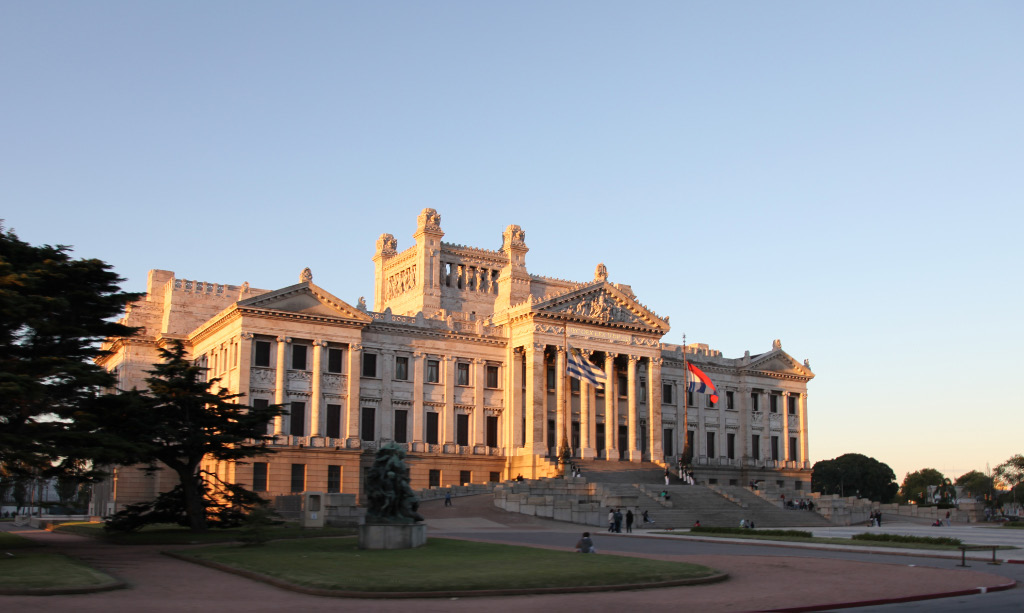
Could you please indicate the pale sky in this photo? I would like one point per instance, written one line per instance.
(846, 177)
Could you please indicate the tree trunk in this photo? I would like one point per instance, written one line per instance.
(195, 507)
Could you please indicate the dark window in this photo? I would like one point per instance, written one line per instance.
(623, 439)
(259, 476)
(689, 398)
(432, 419)
(551, 434)
(711, 445)
(298, 477)
(754, 401)
(465, 477)
(334, 420)
(369, 364)
(297, 422)
(433, 371)
(462, 372)
(730, 444)
(434, 479)
(599, 434)
(495, 477)
(729, 401)
(462, 430)
(792, 405)
(260, 403)
(333, 479)
(798, 485)
(668, 441)
(708, 401)
(642, 384)
(333, 360)
(775, 448)
(552, 379)
(773, 403)
(368, 428)
(623, 386)
(492, 430)
(691, 436)
(755, 446)
(574, 385)
(792, 449)
(299, 357)
(666, 393)
(261, 353)
(575, 428)
(402, 368)
(401, 426)
(492, 376)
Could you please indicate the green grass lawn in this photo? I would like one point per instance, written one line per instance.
(441, 565)
(9, 540)
(169, 534)
(755, 536)
(31, 570)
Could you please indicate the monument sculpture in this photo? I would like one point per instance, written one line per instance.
(392, 517)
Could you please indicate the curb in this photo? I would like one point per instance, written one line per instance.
(63, 591)
(882, 601)
(446, 594)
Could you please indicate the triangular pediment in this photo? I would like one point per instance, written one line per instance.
(780, 362)
(307, 299)
(601, 303)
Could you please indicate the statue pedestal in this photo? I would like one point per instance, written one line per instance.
(392, 536)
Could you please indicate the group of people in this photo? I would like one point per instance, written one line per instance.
(875, 519)
(803, 505)
(938, 520)
(616, 518)
(575, 470)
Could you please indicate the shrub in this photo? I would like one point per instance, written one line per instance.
(899, 538)
(745, 531)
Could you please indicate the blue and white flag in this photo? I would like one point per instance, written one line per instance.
(581, 368)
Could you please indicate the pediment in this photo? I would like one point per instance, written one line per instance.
(601, 302)
(307, 299)
(778, 361)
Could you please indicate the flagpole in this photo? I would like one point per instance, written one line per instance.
(563, 449)
(686, 407)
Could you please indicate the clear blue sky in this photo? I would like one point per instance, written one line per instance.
(846, 177)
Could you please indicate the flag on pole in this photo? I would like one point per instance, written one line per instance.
(700, 382)
(581, 368)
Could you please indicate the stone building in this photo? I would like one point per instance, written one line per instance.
(460, 361)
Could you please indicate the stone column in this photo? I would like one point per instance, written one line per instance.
(355, 364)
(244, 366)
(611, 415)
(279, 382)
(634, 418)
(586, 419)
(802, 408)
(416, 439)
(316, 426)
(476, 430)
(535, 396)
(785, 427)
(743, 406)
(763, 402)
(448, 419)
(515, 399)
(654, 409)
(384, 425)
(560, 424)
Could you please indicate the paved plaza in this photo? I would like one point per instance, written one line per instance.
(761, 576)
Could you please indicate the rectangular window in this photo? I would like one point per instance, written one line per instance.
(623, 386)
(432, 429)
(333, 360)
(792, 404)
(462, 430)
(333, 479)
(261, 353)
(462, 373)
(495, 477)
(667, 442)
(299, 357)
(433, 371)
(492, 376)
(552, 378)
(465, 477)
(434, 478)
(297, 422)
(711, 445)
(401, 368)
(793, 455)
(575, 434)
(260, 403)
(755, 446)
(551, 433)
(642, 384)
(401, 426)
(298, 477)
(492, 430)
(730, 444)
(666, 393)
(368, 426)
(708, 401)
(369, 364)
(754, 401)
(798, 485)
(773, 403)
(729, 401)
(259, 476)
(574, 385)
(689, 398)
(334, 420)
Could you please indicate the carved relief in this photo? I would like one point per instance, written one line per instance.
(601, 308)
(262, 376)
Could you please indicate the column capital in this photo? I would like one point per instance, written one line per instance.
(284, 339)
(538, 346)
(479, 361)
(319, 343)
(418, 354)
(657, 361)
(634, 358)
(248, 336)
(355, 347)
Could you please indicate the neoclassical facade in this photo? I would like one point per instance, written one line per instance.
(462, 361)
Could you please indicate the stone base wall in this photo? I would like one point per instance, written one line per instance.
(571, 500)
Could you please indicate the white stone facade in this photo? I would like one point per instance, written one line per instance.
(459, 362)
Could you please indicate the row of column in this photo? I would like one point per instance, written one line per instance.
(534, 405)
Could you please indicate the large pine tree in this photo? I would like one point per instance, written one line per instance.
(182, 420)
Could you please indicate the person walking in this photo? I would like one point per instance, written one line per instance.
(618, 521)
(611, 520)
(629, 521)
(448, 498)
